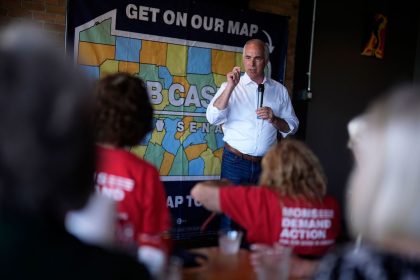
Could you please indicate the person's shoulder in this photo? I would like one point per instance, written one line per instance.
(233, 191)
(275, 83)
(131, 159)
(278, 87)
(369, 263)
(339, 260)
(117, 153)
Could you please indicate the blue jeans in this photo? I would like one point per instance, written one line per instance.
(240, 172)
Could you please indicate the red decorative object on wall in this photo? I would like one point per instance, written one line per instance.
(376, 43)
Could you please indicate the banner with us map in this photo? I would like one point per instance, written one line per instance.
(182, 50)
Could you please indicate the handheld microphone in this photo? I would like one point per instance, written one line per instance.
(261, 93)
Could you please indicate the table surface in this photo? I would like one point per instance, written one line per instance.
(219, 266)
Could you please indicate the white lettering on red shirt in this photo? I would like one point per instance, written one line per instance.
(113, 186)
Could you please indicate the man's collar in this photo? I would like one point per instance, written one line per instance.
(247, 80)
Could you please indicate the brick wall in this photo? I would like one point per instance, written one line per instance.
(49, 14)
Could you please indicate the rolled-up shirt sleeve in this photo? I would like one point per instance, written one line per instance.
(213, 114)
(288, 114)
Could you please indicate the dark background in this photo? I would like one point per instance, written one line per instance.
(343, 81)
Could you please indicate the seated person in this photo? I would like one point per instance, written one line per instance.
(46, 165)
(289, 207)
(122, 118)
(385, 189)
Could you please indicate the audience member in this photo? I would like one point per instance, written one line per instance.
(46, 165)
(384, 186)
(123, 116)
(290, 207)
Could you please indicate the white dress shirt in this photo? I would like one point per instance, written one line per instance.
(241, 127)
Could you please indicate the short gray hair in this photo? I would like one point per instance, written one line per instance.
(261, 43)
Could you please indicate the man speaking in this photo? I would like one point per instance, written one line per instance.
(252, 109)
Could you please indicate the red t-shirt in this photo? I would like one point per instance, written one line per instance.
(310, 227)
(136, 187)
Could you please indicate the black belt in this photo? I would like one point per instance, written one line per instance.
(243, 156)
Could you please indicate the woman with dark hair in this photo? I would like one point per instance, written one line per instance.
(123, 113)
(122, 118)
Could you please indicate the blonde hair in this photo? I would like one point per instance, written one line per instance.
(291, 168)
(385, 184)
(355, 129)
